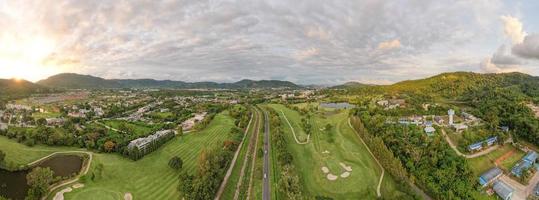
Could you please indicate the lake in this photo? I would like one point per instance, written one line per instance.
(13, 184)
(343, 105)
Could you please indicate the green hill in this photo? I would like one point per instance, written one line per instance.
(12, 88)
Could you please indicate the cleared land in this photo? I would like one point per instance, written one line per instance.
(484, 163)
(330, 148)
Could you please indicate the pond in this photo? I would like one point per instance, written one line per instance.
(343, 105)
(13, 184)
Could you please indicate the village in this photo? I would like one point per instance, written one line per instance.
(516, 179)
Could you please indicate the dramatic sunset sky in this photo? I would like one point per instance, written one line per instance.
(315, 41)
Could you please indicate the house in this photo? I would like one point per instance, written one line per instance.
(536, 190)
(439, 119)
(55, 121)
(525, 163)
(479, 145)
(383, 103)
(398, 102)
(429, 130)
(503, 190)
(490, 176)
(459, 127)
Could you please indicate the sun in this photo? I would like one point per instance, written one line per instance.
(23, 57)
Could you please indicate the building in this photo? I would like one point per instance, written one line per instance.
(398, 102)
(479, 145)
(439, 119)
(525, 163)
(503, 190)
(451, 112)
(429, 130)
(468, 116)
(383, 103)
(142, 143)
(18, 107)
(55, 121)
(490, 176)
(459, 127)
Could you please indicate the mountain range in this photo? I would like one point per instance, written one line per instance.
(77, 81)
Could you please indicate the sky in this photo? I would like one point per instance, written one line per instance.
(307, 42)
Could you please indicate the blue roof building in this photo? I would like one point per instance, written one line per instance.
(489, 176)
(475, 146)
(503, 190)
(527, 161)
(490, 141)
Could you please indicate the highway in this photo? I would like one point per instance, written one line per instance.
(266, 187)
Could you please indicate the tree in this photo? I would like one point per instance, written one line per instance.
(175, 163)
(41, 122)
(2, 156)
(179, 131)
(39, 180)
(109, 146)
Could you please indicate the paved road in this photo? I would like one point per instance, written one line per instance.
(266, 188)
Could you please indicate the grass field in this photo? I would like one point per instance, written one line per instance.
(20, 154)
(484, 163)
(345, 147)
(150, 177)
(235, 176)
(138, 129)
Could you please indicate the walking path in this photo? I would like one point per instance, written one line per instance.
(229, 171)
(68, 182)
(377, 162)
(468, 156)
(293, 132)
(414, 187)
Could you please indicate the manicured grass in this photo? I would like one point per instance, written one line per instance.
(150, 177)
(346, 148)
(234, 177)
(20, 154)
(481, 164)
(295, 121)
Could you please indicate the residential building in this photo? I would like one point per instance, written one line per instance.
(429, 130)
(490, 176)
(55, 121)
(479, 145)
(525, 163)
(142, 143)
(503, 190)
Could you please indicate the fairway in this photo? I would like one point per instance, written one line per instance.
(345, 148)
(151, 177)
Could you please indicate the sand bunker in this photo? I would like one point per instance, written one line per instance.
(325, 170)
(128, 196)
(60, 195)
(78, 185)
(346, 167)
(331, 177)
(345, 174)
(326, 151)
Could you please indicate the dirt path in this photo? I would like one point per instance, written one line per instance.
(236, 154)
(468, 156)
(293, 132)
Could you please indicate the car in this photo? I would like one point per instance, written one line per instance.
(265, 176)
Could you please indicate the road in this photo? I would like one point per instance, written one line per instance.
(266, 187)
(454, 147)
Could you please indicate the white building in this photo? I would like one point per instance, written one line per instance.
(142, 143)
(451, 112)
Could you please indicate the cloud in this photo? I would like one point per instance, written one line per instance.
(307, 53)
(513, 29)
(503, 57)
(489, 67)
(529, 48)
(390, 44)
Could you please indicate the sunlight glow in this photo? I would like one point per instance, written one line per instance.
(23, 57)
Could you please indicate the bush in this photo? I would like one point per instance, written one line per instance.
(175, 163)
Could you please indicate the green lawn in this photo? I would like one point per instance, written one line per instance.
(137, 128)
(484, 163)
(295, 121)
(346, 148)
(234, 177)
(150, 177)
(20, 154)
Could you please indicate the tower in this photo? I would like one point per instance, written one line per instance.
(451, 112)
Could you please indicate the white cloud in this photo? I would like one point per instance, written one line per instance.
(489, 67)
(513, 29)
(390, 44)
